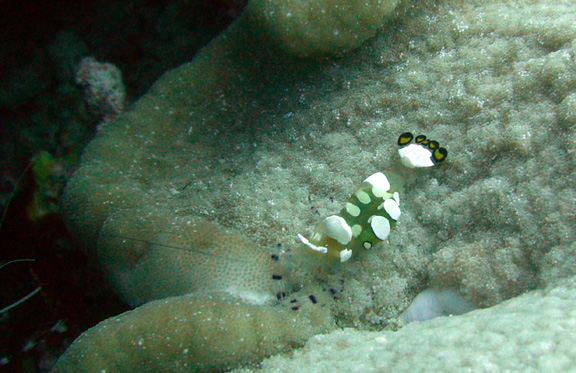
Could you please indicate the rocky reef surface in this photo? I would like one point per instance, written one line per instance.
(196, 194)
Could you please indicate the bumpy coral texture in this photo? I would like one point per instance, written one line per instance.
(192, 255)
(529, 333)
(267, 144)
(320, 28)
(153, 200)
(195, 332)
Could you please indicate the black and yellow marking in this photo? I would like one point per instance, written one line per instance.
(439, 155)
(420, 139)
(405, 138)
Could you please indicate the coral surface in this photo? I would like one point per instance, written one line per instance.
(260, 141)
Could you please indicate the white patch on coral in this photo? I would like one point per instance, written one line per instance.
(432, 303)
(251, 297)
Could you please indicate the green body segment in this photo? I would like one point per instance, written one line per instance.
(366, 219)
(367, 210)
